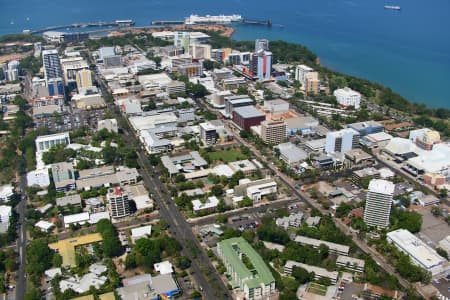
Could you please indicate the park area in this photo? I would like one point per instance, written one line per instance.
(226, 156)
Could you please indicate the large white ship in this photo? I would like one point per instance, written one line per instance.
(220, 19)
(393, 7)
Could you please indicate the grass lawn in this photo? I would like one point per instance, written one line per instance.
(227, 155)
(317, 289)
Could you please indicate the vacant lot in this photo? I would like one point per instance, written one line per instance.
(227, 155)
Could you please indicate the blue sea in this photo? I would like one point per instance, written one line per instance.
(407, 50)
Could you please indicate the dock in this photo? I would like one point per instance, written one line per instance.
(116, 23)
(167, 22)
(257, 22)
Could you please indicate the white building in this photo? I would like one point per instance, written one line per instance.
(140, 232)
(300, 73)
(378, 203)
(420, 253)
(164, 267)
(318, 272)
(315, 243)
(348, 97)
(342, 140)
(108, 124)
(351, 263)
(45, 142)
(208, 206)
(256, 192)
(6, 192)
(38, 178)
(291, 154)
(5, 214)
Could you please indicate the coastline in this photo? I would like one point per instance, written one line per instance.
(223, 30)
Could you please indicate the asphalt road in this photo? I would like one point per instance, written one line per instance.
(21, 242)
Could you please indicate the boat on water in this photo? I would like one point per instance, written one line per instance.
(393, 7)
(220, 19)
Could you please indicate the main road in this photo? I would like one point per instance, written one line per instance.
(22, 241)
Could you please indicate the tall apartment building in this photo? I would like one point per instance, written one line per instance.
(312, 83)
(300, 73)
(71, 66)
(208, 133)
(12, 70)
(261, 64)
(118, 201)
(378, 203)
(257, 282)
(52, 65)
(261, 44)
(200, 51)
(342, 140)
(348, 97)
(84, 79)
(273, 132)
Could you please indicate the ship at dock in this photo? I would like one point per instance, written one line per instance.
(393, 7)
(219, 19)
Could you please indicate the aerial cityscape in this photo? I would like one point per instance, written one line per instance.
(173, 161)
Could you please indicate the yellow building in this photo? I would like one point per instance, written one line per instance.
(66, 248)
(84, 79)
(312, 83)
(273, 132)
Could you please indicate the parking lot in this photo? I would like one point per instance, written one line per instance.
(433, 229)
(71, 120)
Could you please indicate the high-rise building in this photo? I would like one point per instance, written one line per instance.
(70, 67)
(55, 86)
(118, 201)
(84, 79)
(261, 64)
(12, 70)
(300, 73)
(273, 132)
(261, 44)
(378, 203)
(348, 97)
(312, 83)
(52, 65)
(182, 39)
(342, 140)
(208, 133)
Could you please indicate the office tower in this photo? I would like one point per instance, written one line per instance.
(342, 140)
(261, 64)
(261, 44)
(52, 65)
(273, 132)
(378, 203)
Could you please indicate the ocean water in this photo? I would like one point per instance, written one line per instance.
(407, 50)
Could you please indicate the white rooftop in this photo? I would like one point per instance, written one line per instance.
(44, 225)
(381, 186)
(140, 232)
(164, 267)
(211, 202)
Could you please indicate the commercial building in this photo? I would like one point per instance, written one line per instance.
(341, 141)
(55, 86)
(261, 44)
(147, 287)
(89, 101)
(273, 132)
(425, 138)
(210, 131)
(348, 97)
(108, 124)
(277, 106)
(378, 203)
(109, 58)
(256, 192)
(6, 193)
(247, 116)
(12, 70)
(200, 51)
(187, 162)
(233, 102)
(106, 176)
(350, 263)
(140, 232)
(376, 140)
(165, 119)
(45, 142)
(154, 143)
(209, 205)
(366, 127)
(256, 282)
(291, 154)
(71, 66)
(84, 79)
(420, 253)
(118, 202)
(52, 65)
(63, 176)
(375, 292)
(318, 272)
(72, 200)
(306, 125)
(192, 69)
(334, 248)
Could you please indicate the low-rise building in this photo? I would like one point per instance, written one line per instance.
(210, 205)
(351, 263)
(318, 272)
(420, 253)
(293, 220)
(147, 287)
(291, 154)
(164, 268)
(256, 192)
(6, 193)
(247, 116)
(140, 232)
(108, 124)
(374, 292)
(348, 97)
(256, 282)
(333, 247)
(63, 176)
(366, 127)
(69, 200)
(5, 214)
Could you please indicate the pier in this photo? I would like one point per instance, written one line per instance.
(167, 22)
(117, 23)
(257, 22)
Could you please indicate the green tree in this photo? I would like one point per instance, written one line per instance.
(301, 275)
(183, 262)
(110, 242)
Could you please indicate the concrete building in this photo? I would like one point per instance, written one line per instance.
(45, 142)
(118, 202)
(420, 253)
(341, 141)
(6, 193)
(366, 127)
(350, 263)
(5, 214)
(376, 140)
(233, 102)
(71, 66)
(348, 97)
(378, 203)
(300, 73)
(305, 125)
(293, 220)
(208, 206)
(140, 232)
(72, 200)
(109, 58)
(425, 138)
(261, 65)
(52, 65)
(261, 44)
(208, 133)
(256, 192)
(84, 79)
(247, 116)
(273, 132)
(312, 83)
(193, 69)
(334, 248)
(200, 51)
(318, 272)
(255, 283)
(108, 124)
(147, 287)
(12, 70)
(277, 106)
(291, 154)
(63, 176)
